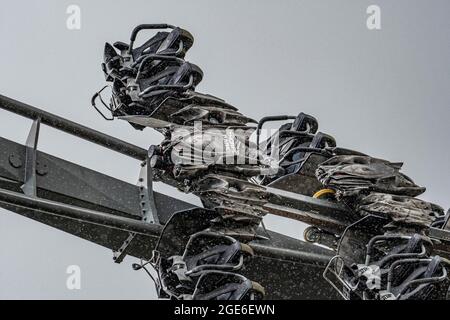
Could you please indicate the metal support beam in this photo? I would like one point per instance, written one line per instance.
(145, 184)
(73, 128)
(29, 187)
(147, 205)
(121, 253)
(80, 214)
(333, 217)
(262, 248)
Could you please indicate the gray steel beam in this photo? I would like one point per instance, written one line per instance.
(73, 128)
(79, 214)
(331, 216)
(63, 181)
(10, 198)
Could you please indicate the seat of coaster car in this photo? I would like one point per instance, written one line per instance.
(176, 42)
(418, 284)
(143, 77)
(301, 149)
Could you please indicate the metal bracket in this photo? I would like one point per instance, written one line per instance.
(120, 254)
(29, 186)
(439, 234)
(148, 207)
(147, 204)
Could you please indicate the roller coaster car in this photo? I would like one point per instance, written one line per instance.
(377, 241)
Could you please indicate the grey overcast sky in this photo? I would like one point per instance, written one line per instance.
(383, 92)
